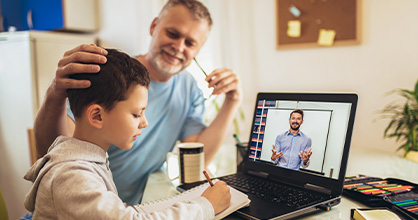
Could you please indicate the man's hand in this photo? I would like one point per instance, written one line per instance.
(219, 196)
(275, 155)
(225, 81)
(75, 61)
(305, 155)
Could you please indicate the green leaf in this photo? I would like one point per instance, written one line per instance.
(236, 126)
(403, 118)
(416, 90)
(388, 127)
(241, 113)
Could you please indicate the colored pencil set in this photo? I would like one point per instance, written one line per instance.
(410, 205)
(378, 188)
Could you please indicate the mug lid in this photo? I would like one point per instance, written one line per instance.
(190, 145)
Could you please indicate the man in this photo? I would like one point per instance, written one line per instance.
(173, 112)
(293, 148)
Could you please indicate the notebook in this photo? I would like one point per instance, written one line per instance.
(238, 200)
(280, 190)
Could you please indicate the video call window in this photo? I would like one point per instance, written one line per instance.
(324, 128)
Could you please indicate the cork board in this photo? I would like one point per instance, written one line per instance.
(341, 16)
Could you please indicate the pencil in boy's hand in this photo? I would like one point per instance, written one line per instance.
(208, 178)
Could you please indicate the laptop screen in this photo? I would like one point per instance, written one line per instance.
(304, 133)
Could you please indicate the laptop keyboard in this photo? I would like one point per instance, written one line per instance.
(271, 191)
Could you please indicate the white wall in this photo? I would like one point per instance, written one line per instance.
(386, 59)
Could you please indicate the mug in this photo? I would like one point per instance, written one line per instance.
(191, 162)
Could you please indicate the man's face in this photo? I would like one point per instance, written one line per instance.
(295, 121)
(176, 39)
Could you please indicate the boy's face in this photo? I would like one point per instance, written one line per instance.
(124, 122)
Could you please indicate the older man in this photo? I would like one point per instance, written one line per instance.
(174, 108)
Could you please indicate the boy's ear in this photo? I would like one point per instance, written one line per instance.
(94, 115)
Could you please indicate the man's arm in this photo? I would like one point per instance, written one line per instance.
(223, 81)
(51, 120)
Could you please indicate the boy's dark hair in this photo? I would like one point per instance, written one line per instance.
(198, 10)
(297, 111)
(111, 84)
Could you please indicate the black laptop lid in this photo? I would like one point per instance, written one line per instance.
(328, 122)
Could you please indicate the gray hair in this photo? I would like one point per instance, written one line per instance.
(196, 8)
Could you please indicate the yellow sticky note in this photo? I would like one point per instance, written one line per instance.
(293, 28)
(326, 37)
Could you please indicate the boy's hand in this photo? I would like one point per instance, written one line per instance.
(218, 195)
(76, 61)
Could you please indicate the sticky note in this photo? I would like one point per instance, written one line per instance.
(293, 28)
(326, 37)
(294, 11)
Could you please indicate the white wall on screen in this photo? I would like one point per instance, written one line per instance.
(337, 133)
(315, 126)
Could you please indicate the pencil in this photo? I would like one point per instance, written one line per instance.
(208, 178)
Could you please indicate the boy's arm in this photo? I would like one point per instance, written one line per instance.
(51, 120)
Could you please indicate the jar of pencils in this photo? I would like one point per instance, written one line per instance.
(241, 153)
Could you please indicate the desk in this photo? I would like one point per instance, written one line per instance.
(361, 161)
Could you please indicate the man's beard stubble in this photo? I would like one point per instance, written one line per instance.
(296, 128)
(163, 66)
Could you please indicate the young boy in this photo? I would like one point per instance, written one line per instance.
(73, 180)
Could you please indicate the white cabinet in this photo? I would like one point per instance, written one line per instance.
(28, 61)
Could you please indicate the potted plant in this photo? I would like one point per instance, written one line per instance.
(403, 123)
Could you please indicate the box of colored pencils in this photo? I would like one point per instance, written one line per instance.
(393, 193)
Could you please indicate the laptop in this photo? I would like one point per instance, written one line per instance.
(280, 190)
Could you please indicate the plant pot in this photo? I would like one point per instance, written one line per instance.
(412, 155)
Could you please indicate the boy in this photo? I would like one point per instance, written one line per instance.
(73, 180)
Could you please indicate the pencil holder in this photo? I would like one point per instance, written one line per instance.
(241, 153)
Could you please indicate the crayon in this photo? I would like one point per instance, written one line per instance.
(407, 203)
(413, 210)
(385, 194)
(409, 200)
(401, 191)
(369, 190)
(377, 182)
(374, 192)
(378, 192)
(413, 206)
(390, 187)
(385, 185)
(398, 188)
(362, 188)
(409, 206)
(352, 185)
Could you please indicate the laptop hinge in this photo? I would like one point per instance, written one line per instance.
(260, 174)
(317, 188)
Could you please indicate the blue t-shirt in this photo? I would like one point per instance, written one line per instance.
(173, 113)
(291, 145)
